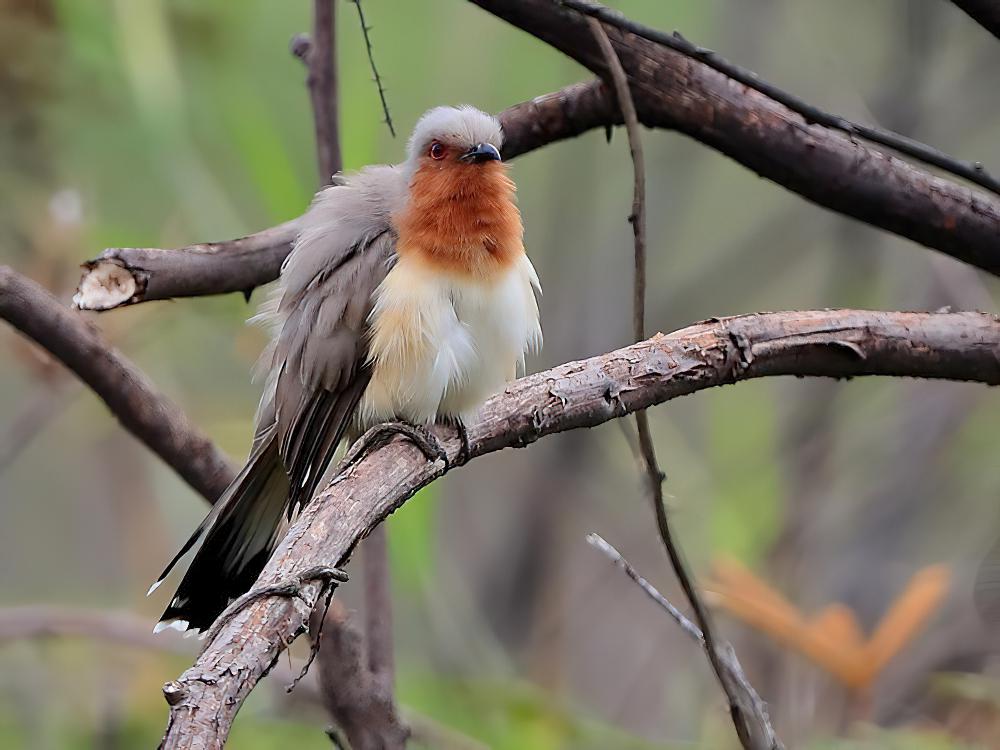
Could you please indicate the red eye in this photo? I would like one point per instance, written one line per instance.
(437, 150)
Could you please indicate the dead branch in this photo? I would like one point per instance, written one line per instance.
(133, 400)
(734, 679)
(673, 90)
(974, 172)
(320, 56)
(126, 275)
(751, 727)
(984, 12)
(844, 343)
(355, 698)
(670, 91)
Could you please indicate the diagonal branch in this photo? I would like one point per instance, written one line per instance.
(972, 171)
(733, 677)
(984, 12)
(672, 90)
(145, 412)
(844, 343)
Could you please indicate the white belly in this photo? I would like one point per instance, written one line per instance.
(441, 345)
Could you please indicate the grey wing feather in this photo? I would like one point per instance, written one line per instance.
(318, 368)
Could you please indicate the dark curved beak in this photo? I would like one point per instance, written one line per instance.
(481, 152)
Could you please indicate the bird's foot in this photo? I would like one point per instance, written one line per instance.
(463, 436)
(380, 434)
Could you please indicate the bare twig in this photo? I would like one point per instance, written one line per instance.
(971, 171)
(320, 56)
(984, 12)
(145, 412)
(752, 733)
(733, 675)
(365, 28)
(843, 343)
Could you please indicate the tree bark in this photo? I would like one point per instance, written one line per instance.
(838, 343)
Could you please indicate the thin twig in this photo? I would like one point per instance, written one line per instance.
(365, 28)
(319, 55)
(749, 735)
(730, 664)
(971, 171)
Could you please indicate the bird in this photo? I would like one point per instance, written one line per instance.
(407, 296)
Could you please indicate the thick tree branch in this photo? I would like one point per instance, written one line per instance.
(984, 12)
(973, 171)
(844, 343)
(145, 412)
(673, 90)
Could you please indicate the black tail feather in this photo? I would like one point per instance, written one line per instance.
(239, 535)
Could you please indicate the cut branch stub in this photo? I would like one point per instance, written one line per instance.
(125, 275)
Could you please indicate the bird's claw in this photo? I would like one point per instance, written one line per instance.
(380, 434)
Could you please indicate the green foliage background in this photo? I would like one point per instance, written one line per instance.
(163, 122)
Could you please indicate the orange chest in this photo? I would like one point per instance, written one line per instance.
(461, 219)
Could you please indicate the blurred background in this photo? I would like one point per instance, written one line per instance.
(810, 509)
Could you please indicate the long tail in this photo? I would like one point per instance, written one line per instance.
(240, 533)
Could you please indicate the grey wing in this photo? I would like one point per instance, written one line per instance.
(317, 365)
(321, 360)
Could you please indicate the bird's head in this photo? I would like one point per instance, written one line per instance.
(458, 140)
(460, 212)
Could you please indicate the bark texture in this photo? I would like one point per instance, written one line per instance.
(837, 343)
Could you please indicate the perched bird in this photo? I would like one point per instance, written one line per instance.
(407, 296)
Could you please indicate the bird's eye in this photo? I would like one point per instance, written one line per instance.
(437, 150)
